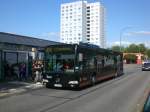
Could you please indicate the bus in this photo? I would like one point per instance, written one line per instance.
(79, 65)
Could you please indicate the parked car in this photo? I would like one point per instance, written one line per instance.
(146, 66)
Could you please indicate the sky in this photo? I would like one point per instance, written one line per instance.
(41, 19)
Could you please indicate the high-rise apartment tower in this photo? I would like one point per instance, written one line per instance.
(83, 22)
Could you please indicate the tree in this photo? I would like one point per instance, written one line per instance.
(142, 48)
(148, 53)
(117, 48)
(133, 48)
(130, 58)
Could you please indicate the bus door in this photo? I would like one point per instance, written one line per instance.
(86, 65)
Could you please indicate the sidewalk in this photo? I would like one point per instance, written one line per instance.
(15, 87)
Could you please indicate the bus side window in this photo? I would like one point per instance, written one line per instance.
(80, 65)
(100, 63)
(92, 63)
(103, 62)
(95, 62)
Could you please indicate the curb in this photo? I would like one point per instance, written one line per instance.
(14, 91)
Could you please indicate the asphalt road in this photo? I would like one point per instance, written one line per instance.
(117, 95)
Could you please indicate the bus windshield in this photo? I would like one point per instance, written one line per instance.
(60, 63)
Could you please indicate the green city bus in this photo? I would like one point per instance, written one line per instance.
(79, 65)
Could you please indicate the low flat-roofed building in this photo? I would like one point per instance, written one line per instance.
(17, 49)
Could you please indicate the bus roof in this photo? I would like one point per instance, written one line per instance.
(87, 46)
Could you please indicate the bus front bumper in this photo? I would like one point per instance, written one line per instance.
(70, 84)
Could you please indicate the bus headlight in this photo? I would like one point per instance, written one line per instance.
(73, 82)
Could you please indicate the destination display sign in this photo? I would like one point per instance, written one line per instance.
(57, 50)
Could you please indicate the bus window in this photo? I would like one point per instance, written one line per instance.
(88, 63)
(61, 62)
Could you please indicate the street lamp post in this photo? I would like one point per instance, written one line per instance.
(121, 33)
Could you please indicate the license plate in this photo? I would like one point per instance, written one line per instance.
(57, 85)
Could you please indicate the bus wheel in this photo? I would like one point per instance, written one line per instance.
(93, 80)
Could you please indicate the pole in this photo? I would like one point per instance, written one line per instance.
(121, 33)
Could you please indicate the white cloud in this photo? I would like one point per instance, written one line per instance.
(138, 33)
(123, 43)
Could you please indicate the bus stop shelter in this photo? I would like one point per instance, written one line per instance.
(16, 49)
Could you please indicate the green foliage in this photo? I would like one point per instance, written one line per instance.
(148, 53)
(142, 48)
(133, 48)
(130, 58)
(117, 48)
